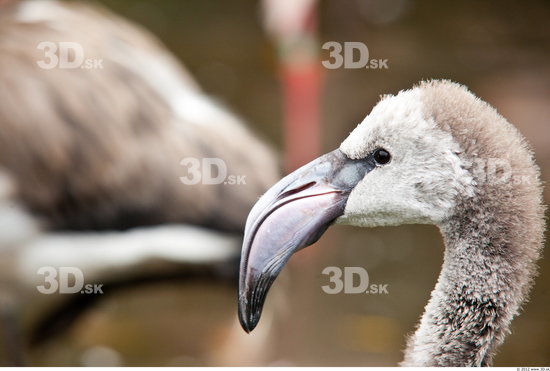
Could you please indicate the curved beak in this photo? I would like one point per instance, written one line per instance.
(291, 215)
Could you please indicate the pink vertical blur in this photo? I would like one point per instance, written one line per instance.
(293, 26)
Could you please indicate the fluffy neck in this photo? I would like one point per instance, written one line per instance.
(491, 246)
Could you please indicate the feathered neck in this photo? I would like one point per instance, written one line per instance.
(492, 240)
(487, 270)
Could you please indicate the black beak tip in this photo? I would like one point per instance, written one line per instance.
(247, 327)
(248, 320)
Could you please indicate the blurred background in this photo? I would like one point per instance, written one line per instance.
(258, 65)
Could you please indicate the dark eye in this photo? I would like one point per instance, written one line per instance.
(381, 156)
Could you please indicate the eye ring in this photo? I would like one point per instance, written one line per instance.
(381, 156)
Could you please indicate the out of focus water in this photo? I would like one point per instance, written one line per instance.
(500, 49)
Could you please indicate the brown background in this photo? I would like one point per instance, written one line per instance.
(499, 49)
